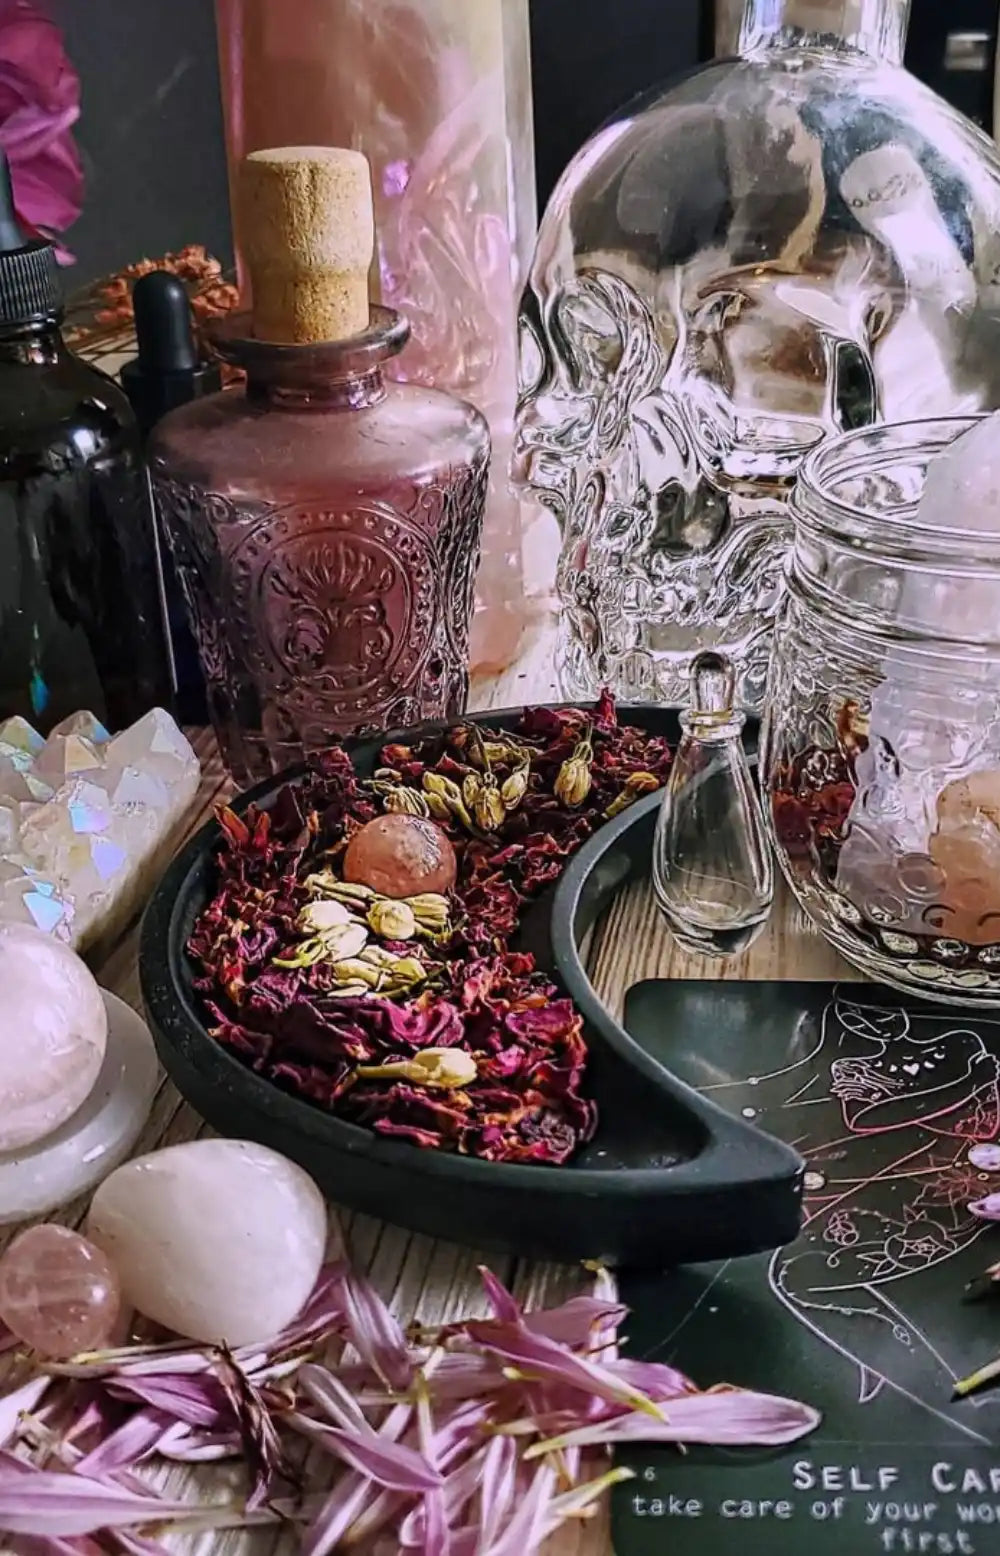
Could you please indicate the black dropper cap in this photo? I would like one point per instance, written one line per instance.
(168, 370)
(29, 273)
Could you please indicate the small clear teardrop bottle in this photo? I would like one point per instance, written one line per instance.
(712, 869)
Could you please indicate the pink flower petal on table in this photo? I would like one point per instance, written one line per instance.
(504, 1305)
(44, 1503)
(526, 1529)
(497, 1488)
(22, 1401)
(129, 1444)
(576, 1322)
(435, 1537)
(388, 1464)
(185, 1445)
(987, 1209)
(322, 1315)
(544, 1360)
(374, 1333)
(351, 1496)
(198, 1400)
(740, 1418)
(655, 1379)
(332, 1396)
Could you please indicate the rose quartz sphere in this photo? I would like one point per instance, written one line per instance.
(401, 856)
(58, 1293)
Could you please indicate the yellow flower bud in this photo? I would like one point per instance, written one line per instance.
(403, 801)
(489, 810)
(574, 782)
(516, 786)
(317, 917)
(392, 920)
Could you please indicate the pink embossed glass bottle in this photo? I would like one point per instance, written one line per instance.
(326, 521)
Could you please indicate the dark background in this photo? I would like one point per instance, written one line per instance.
(151, 131)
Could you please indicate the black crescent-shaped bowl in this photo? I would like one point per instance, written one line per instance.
(668, 1179)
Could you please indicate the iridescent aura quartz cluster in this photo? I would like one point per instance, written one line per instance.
(86, 820)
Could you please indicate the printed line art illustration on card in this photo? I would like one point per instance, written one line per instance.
(885, 1107)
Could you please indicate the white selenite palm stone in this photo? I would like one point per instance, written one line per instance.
(218, 1240)
(38, 1179)
(53, 1035)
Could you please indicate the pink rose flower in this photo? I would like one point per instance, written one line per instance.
(39, 104)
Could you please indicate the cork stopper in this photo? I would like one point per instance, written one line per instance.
(308, 232)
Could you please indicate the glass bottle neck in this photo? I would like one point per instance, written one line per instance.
(875, 27)
(354, 392)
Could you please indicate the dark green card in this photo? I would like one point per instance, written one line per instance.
(863, 1316)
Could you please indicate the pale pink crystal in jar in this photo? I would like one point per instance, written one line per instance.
(58, 1293)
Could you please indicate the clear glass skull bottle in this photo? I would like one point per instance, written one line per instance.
(789, 244)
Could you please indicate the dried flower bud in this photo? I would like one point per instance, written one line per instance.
(439, 808)
(409, 971)
(430, 910)
(352, 969)
(326, 885)
(351, 990)
(391, 920)
(489, 810)
(516, 786)
(437, 783)
(574, 781)
(378, 956)
(345, 941)
(448, 791)
(404, 801)
(637, 785)
(446, 1068)
(472, 787)
(317, 917)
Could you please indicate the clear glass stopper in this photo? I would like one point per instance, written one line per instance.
(712, 867)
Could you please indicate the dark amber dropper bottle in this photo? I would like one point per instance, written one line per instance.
(81, 617)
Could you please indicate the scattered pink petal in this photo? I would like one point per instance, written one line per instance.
(13, 1406)
(42, 1502)
(374, 1333)
(985, 1157)
(987, 1209)
(725, 1419)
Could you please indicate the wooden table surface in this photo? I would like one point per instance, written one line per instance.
(437, 1282)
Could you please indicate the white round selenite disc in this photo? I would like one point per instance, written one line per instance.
(98, 1137)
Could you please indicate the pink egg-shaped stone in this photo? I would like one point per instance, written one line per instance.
(401, 856)
(58, 1293)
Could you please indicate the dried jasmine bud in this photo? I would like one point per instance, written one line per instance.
(472, 787)
(637, 785)
(489, 812)
(404, 801)
(447, 1069)
(431, 912)
(439, 809)
(575, 779)
(352, 969)
(512, 792)
(335, 945)
(326, 884)
(317, 917)
(392, 920)
(447, 790)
